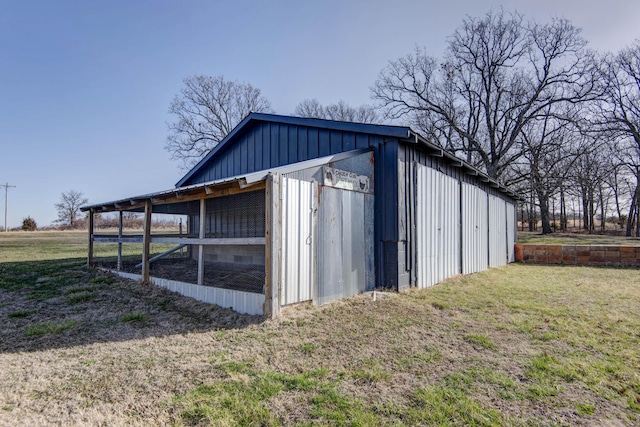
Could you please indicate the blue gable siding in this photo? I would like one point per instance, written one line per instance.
(263, 145)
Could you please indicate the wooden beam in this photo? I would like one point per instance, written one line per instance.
(215, 191)
(203, 223)
(146, 241)
(217, 241)
(90, 243)
(163, 254)
(271, 306)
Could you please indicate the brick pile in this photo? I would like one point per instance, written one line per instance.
(624, 256)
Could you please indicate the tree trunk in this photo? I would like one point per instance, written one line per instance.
(585, 211)
(563, 211)
(544, 213)
(603, 213)
(632, 212)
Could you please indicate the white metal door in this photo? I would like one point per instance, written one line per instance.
(497, 232)
(437, 226)
(298, 210)
(475, 228)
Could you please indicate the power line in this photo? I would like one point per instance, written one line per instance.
(6, 201)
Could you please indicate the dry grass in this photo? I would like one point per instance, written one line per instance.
(521, 345)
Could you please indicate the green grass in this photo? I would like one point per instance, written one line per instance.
(81, 297)
(241, 398)
(46, 328)
(479, 340)
(18, 314)
(134, 317)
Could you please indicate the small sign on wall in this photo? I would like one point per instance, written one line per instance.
(346, 180)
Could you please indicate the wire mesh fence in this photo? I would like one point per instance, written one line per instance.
(238, 267)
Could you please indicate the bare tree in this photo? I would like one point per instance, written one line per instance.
(499, 73)
(550, 147)
(341, 111)
(69, 206)
(619, 115)
(310, 108)
(206, 110)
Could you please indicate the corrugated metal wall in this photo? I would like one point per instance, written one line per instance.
(345, 244)
(475, 229)
(298, 206)
(497, 232)
(437, 227)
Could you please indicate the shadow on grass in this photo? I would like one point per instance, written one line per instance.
(62, 303)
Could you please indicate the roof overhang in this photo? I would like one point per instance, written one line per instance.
(222, 187)
(454, 161)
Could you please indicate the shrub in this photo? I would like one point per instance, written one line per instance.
(29, 224)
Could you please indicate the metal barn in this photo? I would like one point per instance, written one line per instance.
(286, 210)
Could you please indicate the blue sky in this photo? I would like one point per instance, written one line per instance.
(85, 85)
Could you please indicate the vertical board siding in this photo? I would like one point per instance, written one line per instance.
(437, 226)
(497, 232)
(268, 145)
(297, 246)
(475, 229)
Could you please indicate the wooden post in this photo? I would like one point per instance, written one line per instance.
(203, 217)
(119, 267)
(146, 241)
(272, 247)
(90, 243)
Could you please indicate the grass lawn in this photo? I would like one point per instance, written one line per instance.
(521, 345)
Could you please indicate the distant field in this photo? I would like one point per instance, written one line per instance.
(521, 345)
(576, 239)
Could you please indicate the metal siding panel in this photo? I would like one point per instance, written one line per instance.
(303, 144)
(497, 232)
(283, 144)
(297, 248)
(292, 144)
(437, 226)
(349, 141)
(369, 241)
(330, 246)
(324, 143)
(347, 243)
(251, 151)
(335, 138)
(362, 140)
(313, 142)
(266, 145)
(257, 148)
(275, 146)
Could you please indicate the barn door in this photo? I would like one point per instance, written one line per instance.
(437, 226)
(345, 243)
(475, 229)
(497, 232)
(298, 241)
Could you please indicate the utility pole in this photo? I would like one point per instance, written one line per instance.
(6, 201)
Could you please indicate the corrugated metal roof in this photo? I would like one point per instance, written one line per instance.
(244, 180)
